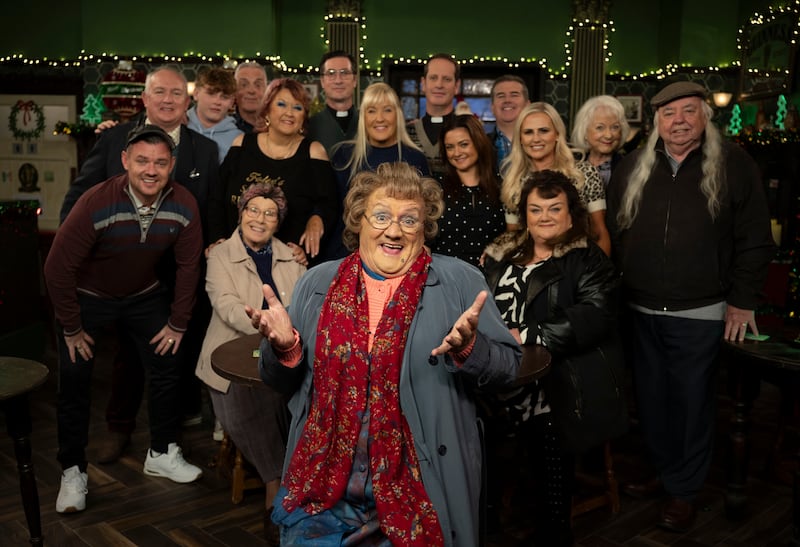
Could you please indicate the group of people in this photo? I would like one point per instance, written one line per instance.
(395, 271)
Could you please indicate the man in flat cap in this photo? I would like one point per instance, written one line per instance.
(101, 271)
(691, 235)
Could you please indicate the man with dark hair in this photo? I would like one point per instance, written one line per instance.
(338, 121)
(251, 84)
(214, 95)
(100, 271)
(196, 168)
(509, 96)
(691, 232)
(440, 83)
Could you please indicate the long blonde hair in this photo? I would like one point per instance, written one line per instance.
(712, 167)
(375, 94)
(517, 166)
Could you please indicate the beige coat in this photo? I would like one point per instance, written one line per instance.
(231, 282)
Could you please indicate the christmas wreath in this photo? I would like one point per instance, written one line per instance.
(26, 109)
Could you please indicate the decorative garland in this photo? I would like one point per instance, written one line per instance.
(26, 108)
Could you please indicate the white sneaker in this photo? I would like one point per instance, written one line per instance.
(219, 433)
(72, 494)
(171, 465)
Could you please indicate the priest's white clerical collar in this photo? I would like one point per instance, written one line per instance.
(437, 119)
(342, 113)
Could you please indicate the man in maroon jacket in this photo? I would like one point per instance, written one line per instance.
(101, 270)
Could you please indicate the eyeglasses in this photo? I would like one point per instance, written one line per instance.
(344, 74)
(255, 212)
(382, 221)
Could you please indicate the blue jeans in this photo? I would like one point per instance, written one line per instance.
(141, 317)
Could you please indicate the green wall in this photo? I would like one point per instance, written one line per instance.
(649, 33)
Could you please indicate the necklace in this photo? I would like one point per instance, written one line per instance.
(273, 150)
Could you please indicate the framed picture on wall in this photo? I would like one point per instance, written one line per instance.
(313, 90)
(633, 107)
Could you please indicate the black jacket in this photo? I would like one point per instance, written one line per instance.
(675, 256)
(572, 301)
(571, 298)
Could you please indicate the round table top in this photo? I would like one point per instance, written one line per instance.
(535, 363)
(19, 376)
(237, 360)
(779, 351)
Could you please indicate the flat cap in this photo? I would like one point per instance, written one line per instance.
(141, 132)
(677, 90)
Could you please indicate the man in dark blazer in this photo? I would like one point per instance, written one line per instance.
(166, 100)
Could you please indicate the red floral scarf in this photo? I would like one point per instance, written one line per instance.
(343, 373)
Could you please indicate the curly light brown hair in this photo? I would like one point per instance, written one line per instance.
(398, 180)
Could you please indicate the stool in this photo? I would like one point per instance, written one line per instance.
(608, 483)
(241, 479)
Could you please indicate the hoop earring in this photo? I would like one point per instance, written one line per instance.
(266, 120)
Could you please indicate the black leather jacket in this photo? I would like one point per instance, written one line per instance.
(571, 298)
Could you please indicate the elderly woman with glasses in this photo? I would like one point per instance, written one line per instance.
(256, 419)
(381, 352)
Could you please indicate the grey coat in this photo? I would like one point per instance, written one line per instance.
(435, 395)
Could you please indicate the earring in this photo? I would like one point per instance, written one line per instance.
(266, 120)
(302, 131)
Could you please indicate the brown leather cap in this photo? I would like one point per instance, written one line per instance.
(677, 90)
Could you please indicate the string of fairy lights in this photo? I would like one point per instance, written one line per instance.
(219, 58)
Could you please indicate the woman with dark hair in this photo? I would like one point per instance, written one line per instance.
(256, 419)
(381, 352)
(473, 214)
(555, 287)
(281, 155)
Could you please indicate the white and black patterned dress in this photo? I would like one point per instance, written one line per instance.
(510, 294)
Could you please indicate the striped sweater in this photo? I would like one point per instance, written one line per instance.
(101, 249)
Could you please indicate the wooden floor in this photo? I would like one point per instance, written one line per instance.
(126, 507)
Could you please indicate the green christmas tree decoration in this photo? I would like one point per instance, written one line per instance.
(780, 116)
(93, 109)
(735, 127)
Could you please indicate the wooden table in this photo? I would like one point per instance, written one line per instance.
(748, 362)
(18, 377)
(237, 360)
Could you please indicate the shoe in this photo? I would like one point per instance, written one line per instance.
(112, 447)
(649, 488)
(219, 433)
(171, 465)
(72, 494)
(191, 420)
(272, 533)
(677, 515)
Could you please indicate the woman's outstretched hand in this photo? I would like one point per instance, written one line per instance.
(463, 332)
(273, 323)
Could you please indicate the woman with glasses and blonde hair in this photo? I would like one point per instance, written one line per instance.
(540, 142)
(381, 138)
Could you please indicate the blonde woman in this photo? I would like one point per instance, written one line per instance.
(540, 142)
(381, 138)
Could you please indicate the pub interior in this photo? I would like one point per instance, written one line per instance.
(67, 67)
